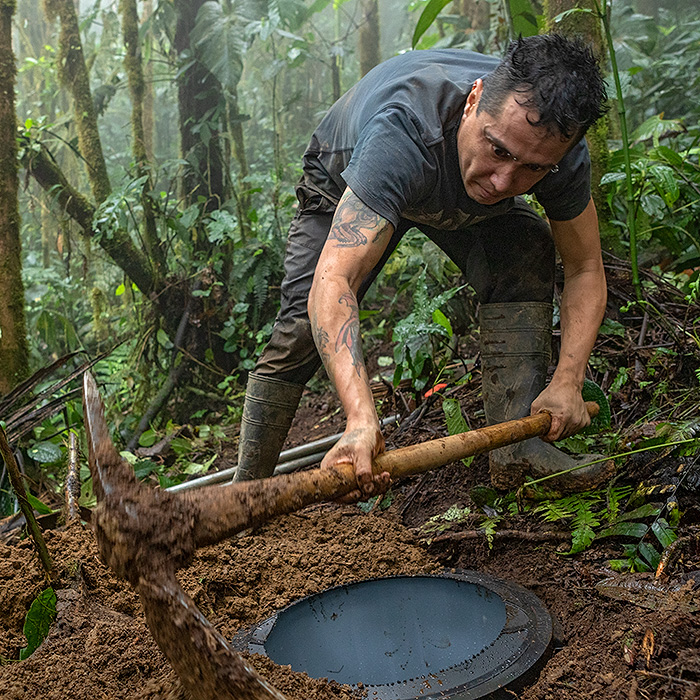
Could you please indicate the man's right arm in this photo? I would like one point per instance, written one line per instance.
(355, 244)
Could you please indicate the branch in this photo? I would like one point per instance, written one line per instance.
(119, 246)
(557, 536)
(32, 525)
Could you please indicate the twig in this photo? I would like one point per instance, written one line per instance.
(72, 485)
(418, 488)
(170, 382)
(664, 677)
(556, 536)
(20, 492)
(638, 366)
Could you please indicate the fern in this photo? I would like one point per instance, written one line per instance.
(488, 526)
(615, 495)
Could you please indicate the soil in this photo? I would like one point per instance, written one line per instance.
(100, 647)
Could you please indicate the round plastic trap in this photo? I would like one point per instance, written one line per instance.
(460, 635)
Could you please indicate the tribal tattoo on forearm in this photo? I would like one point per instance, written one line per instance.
(354, 221)
(349, 335)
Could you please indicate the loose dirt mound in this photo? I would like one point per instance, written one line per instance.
(99, 646)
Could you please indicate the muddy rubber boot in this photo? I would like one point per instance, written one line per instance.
(268, 411)
(515, 355)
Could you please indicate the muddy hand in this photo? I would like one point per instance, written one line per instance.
(567, 408)
(359, 447)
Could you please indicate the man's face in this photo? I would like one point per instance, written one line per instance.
(503, 155)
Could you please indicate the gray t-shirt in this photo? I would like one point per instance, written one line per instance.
(392, 139)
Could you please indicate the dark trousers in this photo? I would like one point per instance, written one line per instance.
(507, 258)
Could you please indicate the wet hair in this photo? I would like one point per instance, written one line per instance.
(555, 77)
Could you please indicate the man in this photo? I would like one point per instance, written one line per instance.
(446, 140)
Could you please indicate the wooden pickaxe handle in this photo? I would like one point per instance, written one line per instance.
(424, 456)
(230, 509)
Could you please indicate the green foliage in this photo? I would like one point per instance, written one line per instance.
(584, 514)
(443, 521)
(660, 60)
(456, 422)
(38, 621)
(380, 502)
(592, 392)
(664, 184)
(421, 348)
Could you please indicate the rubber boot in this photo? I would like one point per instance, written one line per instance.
(268, 412)
(515, 355)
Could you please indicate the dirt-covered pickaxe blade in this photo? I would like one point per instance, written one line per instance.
(145, 535)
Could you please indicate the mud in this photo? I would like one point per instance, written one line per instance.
(100, 647)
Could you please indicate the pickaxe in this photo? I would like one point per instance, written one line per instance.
(145, 535)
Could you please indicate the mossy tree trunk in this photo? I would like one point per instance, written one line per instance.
(148, 91)
(74, 74)
(199, 100)
(137, 90)
(369, 37)
(14, 365)
(587, 26)
(478, 12)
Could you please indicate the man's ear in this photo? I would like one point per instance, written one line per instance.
(474, 96)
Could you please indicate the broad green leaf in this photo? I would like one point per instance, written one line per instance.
(663, 532)
(45, 452)
(442, 320)
(635, 530)
(612, 177)
(453, 417)
(148, 438)
(144, 467)
(648, 510)
(455, 422)
(39, 506)
(592, 392)
(524, 18)
(650, 554)
(163, 339)
(219, 40)
(38, 621)
(119, 290)
(430, 12)
(666, 183)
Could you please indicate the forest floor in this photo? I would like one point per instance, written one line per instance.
(99, 645)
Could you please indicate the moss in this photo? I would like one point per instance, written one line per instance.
(74, 75)
(13, 338)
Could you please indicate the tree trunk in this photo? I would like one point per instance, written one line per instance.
(134, 72)
(199, 95)
(14, 365)
(370, 46)
(149, 93)
(235, 127)
(588, 27)
(118, 246)
(74, 74)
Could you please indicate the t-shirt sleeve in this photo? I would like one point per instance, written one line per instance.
(565, 194)
(390, 166)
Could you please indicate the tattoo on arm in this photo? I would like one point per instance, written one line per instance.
(354, 221)
(349, 335)
(321, 337)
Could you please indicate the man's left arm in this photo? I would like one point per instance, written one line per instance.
(582, 309)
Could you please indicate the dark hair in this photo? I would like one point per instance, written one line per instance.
(556, 77)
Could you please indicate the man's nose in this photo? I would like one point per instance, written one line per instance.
(502, 178)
